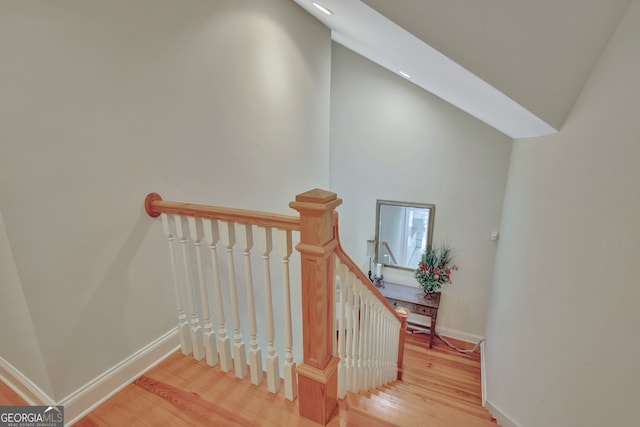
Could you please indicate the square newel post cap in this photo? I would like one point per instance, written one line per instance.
(317, 196)
(316, 208)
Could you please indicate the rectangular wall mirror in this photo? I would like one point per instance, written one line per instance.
(403, 232)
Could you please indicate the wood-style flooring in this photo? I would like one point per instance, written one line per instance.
(440, 388)
(8, 397)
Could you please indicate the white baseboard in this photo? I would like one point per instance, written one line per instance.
(97, 391)
(23, 386)
(483, 374)
(459, 335)
(503, 419)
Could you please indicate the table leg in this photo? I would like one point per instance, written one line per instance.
(432, 331)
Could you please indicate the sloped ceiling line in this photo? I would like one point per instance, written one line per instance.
(585, 26)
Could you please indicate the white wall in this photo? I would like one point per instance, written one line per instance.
(223, 102)
(562, 347)
(391, 140)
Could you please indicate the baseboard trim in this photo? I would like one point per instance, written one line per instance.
(23, 386)
(503, 419)
(97, 391)
(483, 374)
(459, 335)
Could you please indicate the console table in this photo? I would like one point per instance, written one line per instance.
(413, 299)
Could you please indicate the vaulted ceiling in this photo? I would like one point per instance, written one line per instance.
(518, 65)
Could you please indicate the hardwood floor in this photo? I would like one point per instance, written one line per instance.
(441, 388)
(9, 397)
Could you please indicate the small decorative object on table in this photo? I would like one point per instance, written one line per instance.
(377, 276)
(435, 269)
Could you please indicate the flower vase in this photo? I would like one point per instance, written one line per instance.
(428, 294)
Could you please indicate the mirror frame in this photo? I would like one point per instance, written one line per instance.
(432, 214)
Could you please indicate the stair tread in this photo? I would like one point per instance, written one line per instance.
(440, 387)
(430, 389)
(435, 415)
(415, 397)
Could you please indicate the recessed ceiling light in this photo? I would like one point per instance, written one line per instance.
(323, 9)
(405, 75)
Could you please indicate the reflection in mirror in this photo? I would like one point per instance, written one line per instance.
(403, 232)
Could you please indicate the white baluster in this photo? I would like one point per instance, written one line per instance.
(284, 251)
(377, 344)
(374, 349)
(365, 355)
(228, 238)
(379, 341)
(351, 334)
(362, 340)
(332, 307)
(386, 356)
(385, 348)
(196, 330)
(224, 343)
(399, 330)
(245, 236)
(357, 362)
(265, 238)
(389, 357)
(341, 270)
(209, 337)
(377, 349)
(366, 341)
(393, 350)
(183, 325)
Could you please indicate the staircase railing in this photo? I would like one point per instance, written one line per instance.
(223, 230)
(368, 348)
(370, 343)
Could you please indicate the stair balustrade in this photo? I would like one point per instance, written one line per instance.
(369, 341)
(351, 342)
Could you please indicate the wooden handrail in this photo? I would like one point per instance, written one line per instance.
(154, 205)
(346, 260)
(393, 258)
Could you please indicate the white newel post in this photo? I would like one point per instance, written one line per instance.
(245, 235)
(224, 343)
(183, 325)
(209, 338)
(285, 247)
(228, 238)
(265, 238)
(196, 330)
